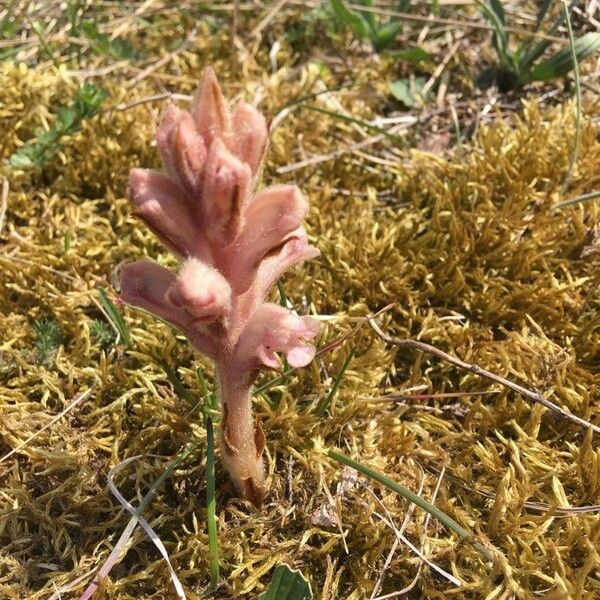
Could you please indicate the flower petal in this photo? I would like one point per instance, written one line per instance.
(225, 193)
(182, 148)
(146, 285)
(249, 135)
(164, 137)
(165, 208)
(294, 249)
(201, 290)
(273, 329)
(300, 356)
(274, 214)
(210, 109)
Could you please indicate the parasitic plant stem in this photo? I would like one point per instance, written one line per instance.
(234, 242)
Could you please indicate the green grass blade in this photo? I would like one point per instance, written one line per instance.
(385, 36)
(411, 497)
(541, 14)
(302, 99)
(395, 138)
(178, 386)
(530, 51)
(494, 13)
(115, 316)
(209, 398)
(211, 509)
(287, 584)
(559, 64)
(283, 299)
(355, 21)
(575, 151)
(325, 402)
(211, 505)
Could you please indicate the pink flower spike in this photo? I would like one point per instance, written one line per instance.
(201, 290)
(233, 244)
(225, 193)
(249, 135)
(165, 208)
(210, 110)
(274, 329)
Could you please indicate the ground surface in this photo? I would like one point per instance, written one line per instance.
(461, 237)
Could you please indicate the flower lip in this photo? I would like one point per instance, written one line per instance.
(274, 329)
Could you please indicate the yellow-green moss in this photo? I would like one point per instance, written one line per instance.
(475, 260)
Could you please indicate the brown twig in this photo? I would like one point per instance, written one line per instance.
(77, 400)
(461, 364)
(3, 202)
(270, 15)
(340, 340)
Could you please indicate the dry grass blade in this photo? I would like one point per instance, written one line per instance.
(114, 556)
(76, 401)
(411, 497)
(423, 347)
(143, 523)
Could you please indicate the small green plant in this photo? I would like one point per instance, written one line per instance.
(408, 91)
(365, 25)
(116, 48)
(519, 67)
(287, 584)
(86, 104)
(113, 313)
(48, 337)
(102, 333)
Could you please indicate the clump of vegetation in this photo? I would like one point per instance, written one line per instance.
(365, 25)
(86, 104)
(522, 65)
(102, 333)
(48, 337)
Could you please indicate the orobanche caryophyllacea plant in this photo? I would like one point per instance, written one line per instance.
(234, 243)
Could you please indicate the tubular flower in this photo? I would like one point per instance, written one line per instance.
(234, 244)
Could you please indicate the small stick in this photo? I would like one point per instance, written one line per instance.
(423, 347)
(78, 399)
(270, 15)
(3, 202)
(235, 18)
(146, 99)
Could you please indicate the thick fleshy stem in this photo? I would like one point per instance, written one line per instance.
(242, 438)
